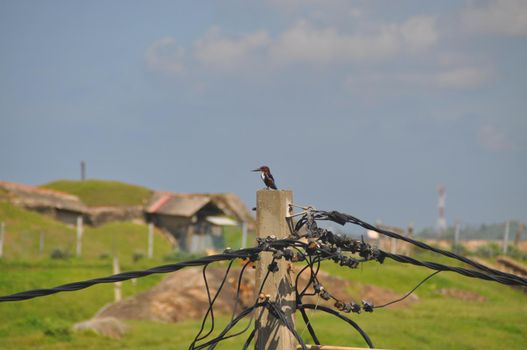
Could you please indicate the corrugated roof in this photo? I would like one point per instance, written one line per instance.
(30, 196)
(187, 204)
(232, 204)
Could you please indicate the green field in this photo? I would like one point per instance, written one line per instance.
(124, 239)
(434, 321)
(102, 192)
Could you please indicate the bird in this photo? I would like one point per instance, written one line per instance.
(267, 177)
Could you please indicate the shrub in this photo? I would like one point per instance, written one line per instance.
(51, 327)
(60, 254)
(178, 255)
(516, 253)
(459, 249)
(137, 256)
(489, 250)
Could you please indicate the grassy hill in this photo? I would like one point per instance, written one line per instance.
(102, 192)
(126, 239)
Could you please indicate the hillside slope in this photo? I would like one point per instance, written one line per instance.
(102, 192)
(126, 239)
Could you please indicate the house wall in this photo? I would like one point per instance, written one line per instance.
(192, 237)
(66, 216)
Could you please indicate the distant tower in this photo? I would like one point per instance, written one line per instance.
(441, 220)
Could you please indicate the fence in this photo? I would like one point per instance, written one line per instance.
(284, 239)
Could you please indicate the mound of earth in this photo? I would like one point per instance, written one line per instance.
(182, 295)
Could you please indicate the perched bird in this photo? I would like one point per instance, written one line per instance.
(267, 178)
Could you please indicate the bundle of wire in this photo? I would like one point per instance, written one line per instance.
(307, 250)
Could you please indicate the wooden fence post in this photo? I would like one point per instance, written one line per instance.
(150, 240)
(79, 235)
(272, 207)
(117, 293)
(244, 234)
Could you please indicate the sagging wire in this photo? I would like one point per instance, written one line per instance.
(341, 218)
(409, 293)
(310, 247)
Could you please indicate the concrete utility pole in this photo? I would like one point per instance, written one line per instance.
(79, 235)
(150, 240)
(2, 229)
(272, 207)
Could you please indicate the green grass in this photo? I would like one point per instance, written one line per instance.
(124, 239)
(102, 192)
(433, 322)
(48, 320)
(233, 237)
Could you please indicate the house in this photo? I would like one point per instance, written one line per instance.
(196, 221)
(61, 206)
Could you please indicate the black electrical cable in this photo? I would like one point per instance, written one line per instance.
(238, 288)
(342, 218)
(462, 271)
(282, 317)
(213, 342)
(210, 309)
(207, 289)
(249, 339)
(342, 317)
(70, 287)
(230, 325)
(410, 292)
(309, 326)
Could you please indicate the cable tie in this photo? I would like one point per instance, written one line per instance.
(367, 306)
(273, 267)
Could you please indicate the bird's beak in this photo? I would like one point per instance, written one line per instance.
(256, 170)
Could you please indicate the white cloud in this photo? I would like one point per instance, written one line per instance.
(303, 42)
(166, 56)
(419, 32)
(221, 52)
(493, 138)
(307, 44)
(465, 77)
(455, 78)
(504, 17)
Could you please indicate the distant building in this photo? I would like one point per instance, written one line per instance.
(61, 206)
(196, 221)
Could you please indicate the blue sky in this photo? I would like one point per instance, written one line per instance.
(362, 106)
